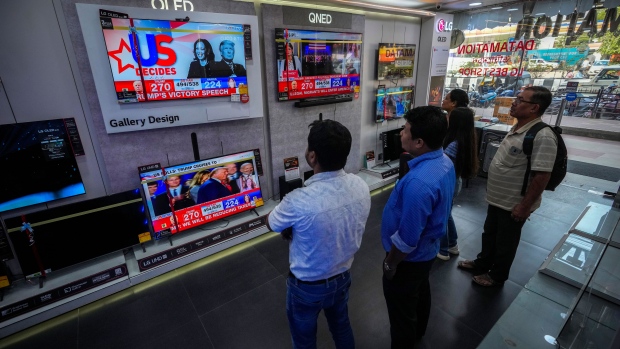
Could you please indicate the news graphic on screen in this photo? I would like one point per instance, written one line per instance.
(70, 234)
(156, 60)
(395, 61)
(316, 63)
(185, 196)
(38, 164)
(393, 102)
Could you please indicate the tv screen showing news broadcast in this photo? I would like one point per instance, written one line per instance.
(38, 164)
(155, 60)
(185, 196)
(316, 63)
(393, 102)
(396, 61)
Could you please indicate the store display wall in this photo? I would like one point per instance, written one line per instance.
(288, 126)
(399, 30)
(123, 152)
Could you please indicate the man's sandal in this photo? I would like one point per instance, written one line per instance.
(486, 281)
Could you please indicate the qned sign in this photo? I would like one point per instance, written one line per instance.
(316, 18)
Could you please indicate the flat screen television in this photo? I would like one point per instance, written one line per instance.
(70, 234)
(317, 63)
(393, 102)
(392, 147)
(396, 61)
(37, 164)
(154, 60)
(185, 196)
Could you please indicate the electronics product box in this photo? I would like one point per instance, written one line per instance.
(502, 110)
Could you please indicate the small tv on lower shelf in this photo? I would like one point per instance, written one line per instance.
(189, 195)
(393, 102)
(71, 234)
(392, 147)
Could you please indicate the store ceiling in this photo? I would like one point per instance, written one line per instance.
(445, 6)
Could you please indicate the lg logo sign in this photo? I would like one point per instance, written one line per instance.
(443, 26)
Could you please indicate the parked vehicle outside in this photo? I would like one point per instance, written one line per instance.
(597, 66)
(539, 62)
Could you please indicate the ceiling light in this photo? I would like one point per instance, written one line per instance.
(540, 14)
(496, 8)
(513, 9)
(475, 4)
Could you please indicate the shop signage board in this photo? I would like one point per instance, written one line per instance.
(316, 18)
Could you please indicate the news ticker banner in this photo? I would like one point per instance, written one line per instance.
(318, 86)
(200, 244)
(76, 287)
(200, 214)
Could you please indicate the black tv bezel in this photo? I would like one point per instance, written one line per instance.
(73, 209)
(384, 136)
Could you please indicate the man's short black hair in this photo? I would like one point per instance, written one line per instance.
(429, 124)
(331, 142)
(541, 96)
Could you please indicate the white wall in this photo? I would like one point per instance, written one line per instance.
(397, 30)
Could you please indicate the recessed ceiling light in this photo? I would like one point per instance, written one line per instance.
(475, 4)
(513, 9)
(540, 14)
(496, 8)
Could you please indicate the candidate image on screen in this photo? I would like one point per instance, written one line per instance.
(226, 67)
(290, 66)
(174, 60)
(207, 190)
(203, 56)
(37, 164)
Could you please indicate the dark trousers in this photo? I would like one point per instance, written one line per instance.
(408, 299)
(500, 240)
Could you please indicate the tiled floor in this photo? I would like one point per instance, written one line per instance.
(238, 300)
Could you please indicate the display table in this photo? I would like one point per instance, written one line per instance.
(574, 301)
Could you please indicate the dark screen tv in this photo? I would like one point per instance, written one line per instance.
(316, 63)
(393, 103)
(203, 192)
(37, 164)
(395, 61)
(75, 233)
(154, 60)
(392, 147)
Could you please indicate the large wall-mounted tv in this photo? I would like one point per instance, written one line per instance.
(154, 60)
(396, 61)
(316, 63)
(67, 235)
(38, 164)
(189, 195)
(393, 102)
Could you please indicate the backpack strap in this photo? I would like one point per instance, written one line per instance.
(528, 146)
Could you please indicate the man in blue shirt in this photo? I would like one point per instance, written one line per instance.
(328, 217)
(414, 220)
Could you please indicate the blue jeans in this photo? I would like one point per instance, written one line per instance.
(304, 303)
(449, 240)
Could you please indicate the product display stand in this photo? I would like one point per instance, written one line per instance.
(254, 210)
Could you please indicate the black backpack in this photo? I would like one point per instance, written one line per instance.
(561, 158)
